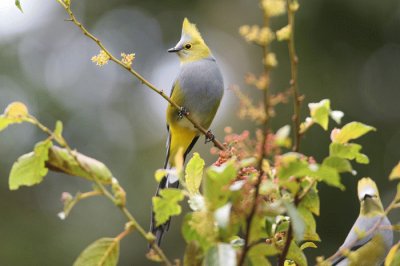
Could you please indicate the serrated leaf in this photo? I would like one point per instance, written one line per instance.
(320, 112)
(199, 227)
(61, 160)
(350, 151)
(167, 204)
(18, 5)
(297, 255)
(395, 173)
(393, 257)
(30, 168)
(221, 255)
(340, 164)
(310, 232)
(352, 130)
(102, 252)
(194, 173)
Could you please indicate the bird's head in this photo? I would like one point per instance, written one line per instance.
(368, 195)
(191, 47)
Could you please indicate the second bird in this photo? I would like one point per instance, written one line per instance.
(199, 89)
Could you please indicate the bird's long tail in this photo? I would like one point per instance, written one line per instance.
(167, 182)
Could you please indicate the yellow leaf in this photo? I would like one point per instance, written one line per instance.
(16, 110)
(395, 174)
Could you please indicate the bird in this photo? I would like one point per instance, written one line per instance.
(198, 89)
(371, 237)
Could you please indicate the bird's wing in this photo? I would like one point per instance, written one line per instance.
(353, 241)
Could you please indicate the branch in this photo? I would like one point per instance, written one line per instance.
(134, 224)
(66, 5)
(266, 72)
(292, 7)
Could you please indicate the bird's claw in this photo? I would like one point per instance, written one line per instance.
(182, 112)
(209, 136)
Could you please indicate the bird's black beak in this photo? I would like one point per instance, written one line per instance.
(173, 50)
(366, 196)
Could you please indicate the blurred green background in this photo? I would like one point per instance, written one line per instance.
(349, 52)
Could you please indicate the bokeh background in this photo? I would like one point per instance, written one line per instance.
(349, 52)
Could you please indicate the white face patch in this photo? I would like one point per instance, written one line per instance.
(367, 190)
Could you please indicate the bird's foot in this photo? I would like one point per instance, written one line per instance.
(209, 136)
(182, 112)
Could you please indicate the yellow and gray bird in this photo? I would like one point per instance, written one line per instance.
(198, 88)
(363, 247)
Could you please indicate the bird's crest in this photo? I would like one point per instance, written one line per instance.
(366, 186)
(191, 30)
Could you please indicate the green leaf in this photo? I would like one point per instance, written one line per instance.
(15, 113)
(311, 201)
(320, 112)
(308, 245)
(259, 253)
(160, 174)
(329, 175)
(4, 122)
(221, 255)
(61, 160)
(18, 4)
(362, 158)
(348, 151)
(398, 192)
(393, 257)
(102, 252)
(216, 185)
(310, 233)
(166, 205)
(193, 254)
(292, 167)
(395, 174)
(258, 228)
(352, 130)
(58, 133)
(199, 227)
(297, 255)
(194, 173)
(30, 168)
(340, 164)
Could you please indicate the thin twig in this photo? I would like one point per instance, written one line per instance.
(294, 60)
(296, 109)
(247, 245)
(73, 19)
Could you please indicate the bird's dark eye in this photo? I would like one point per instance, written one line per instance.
(188, 46)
